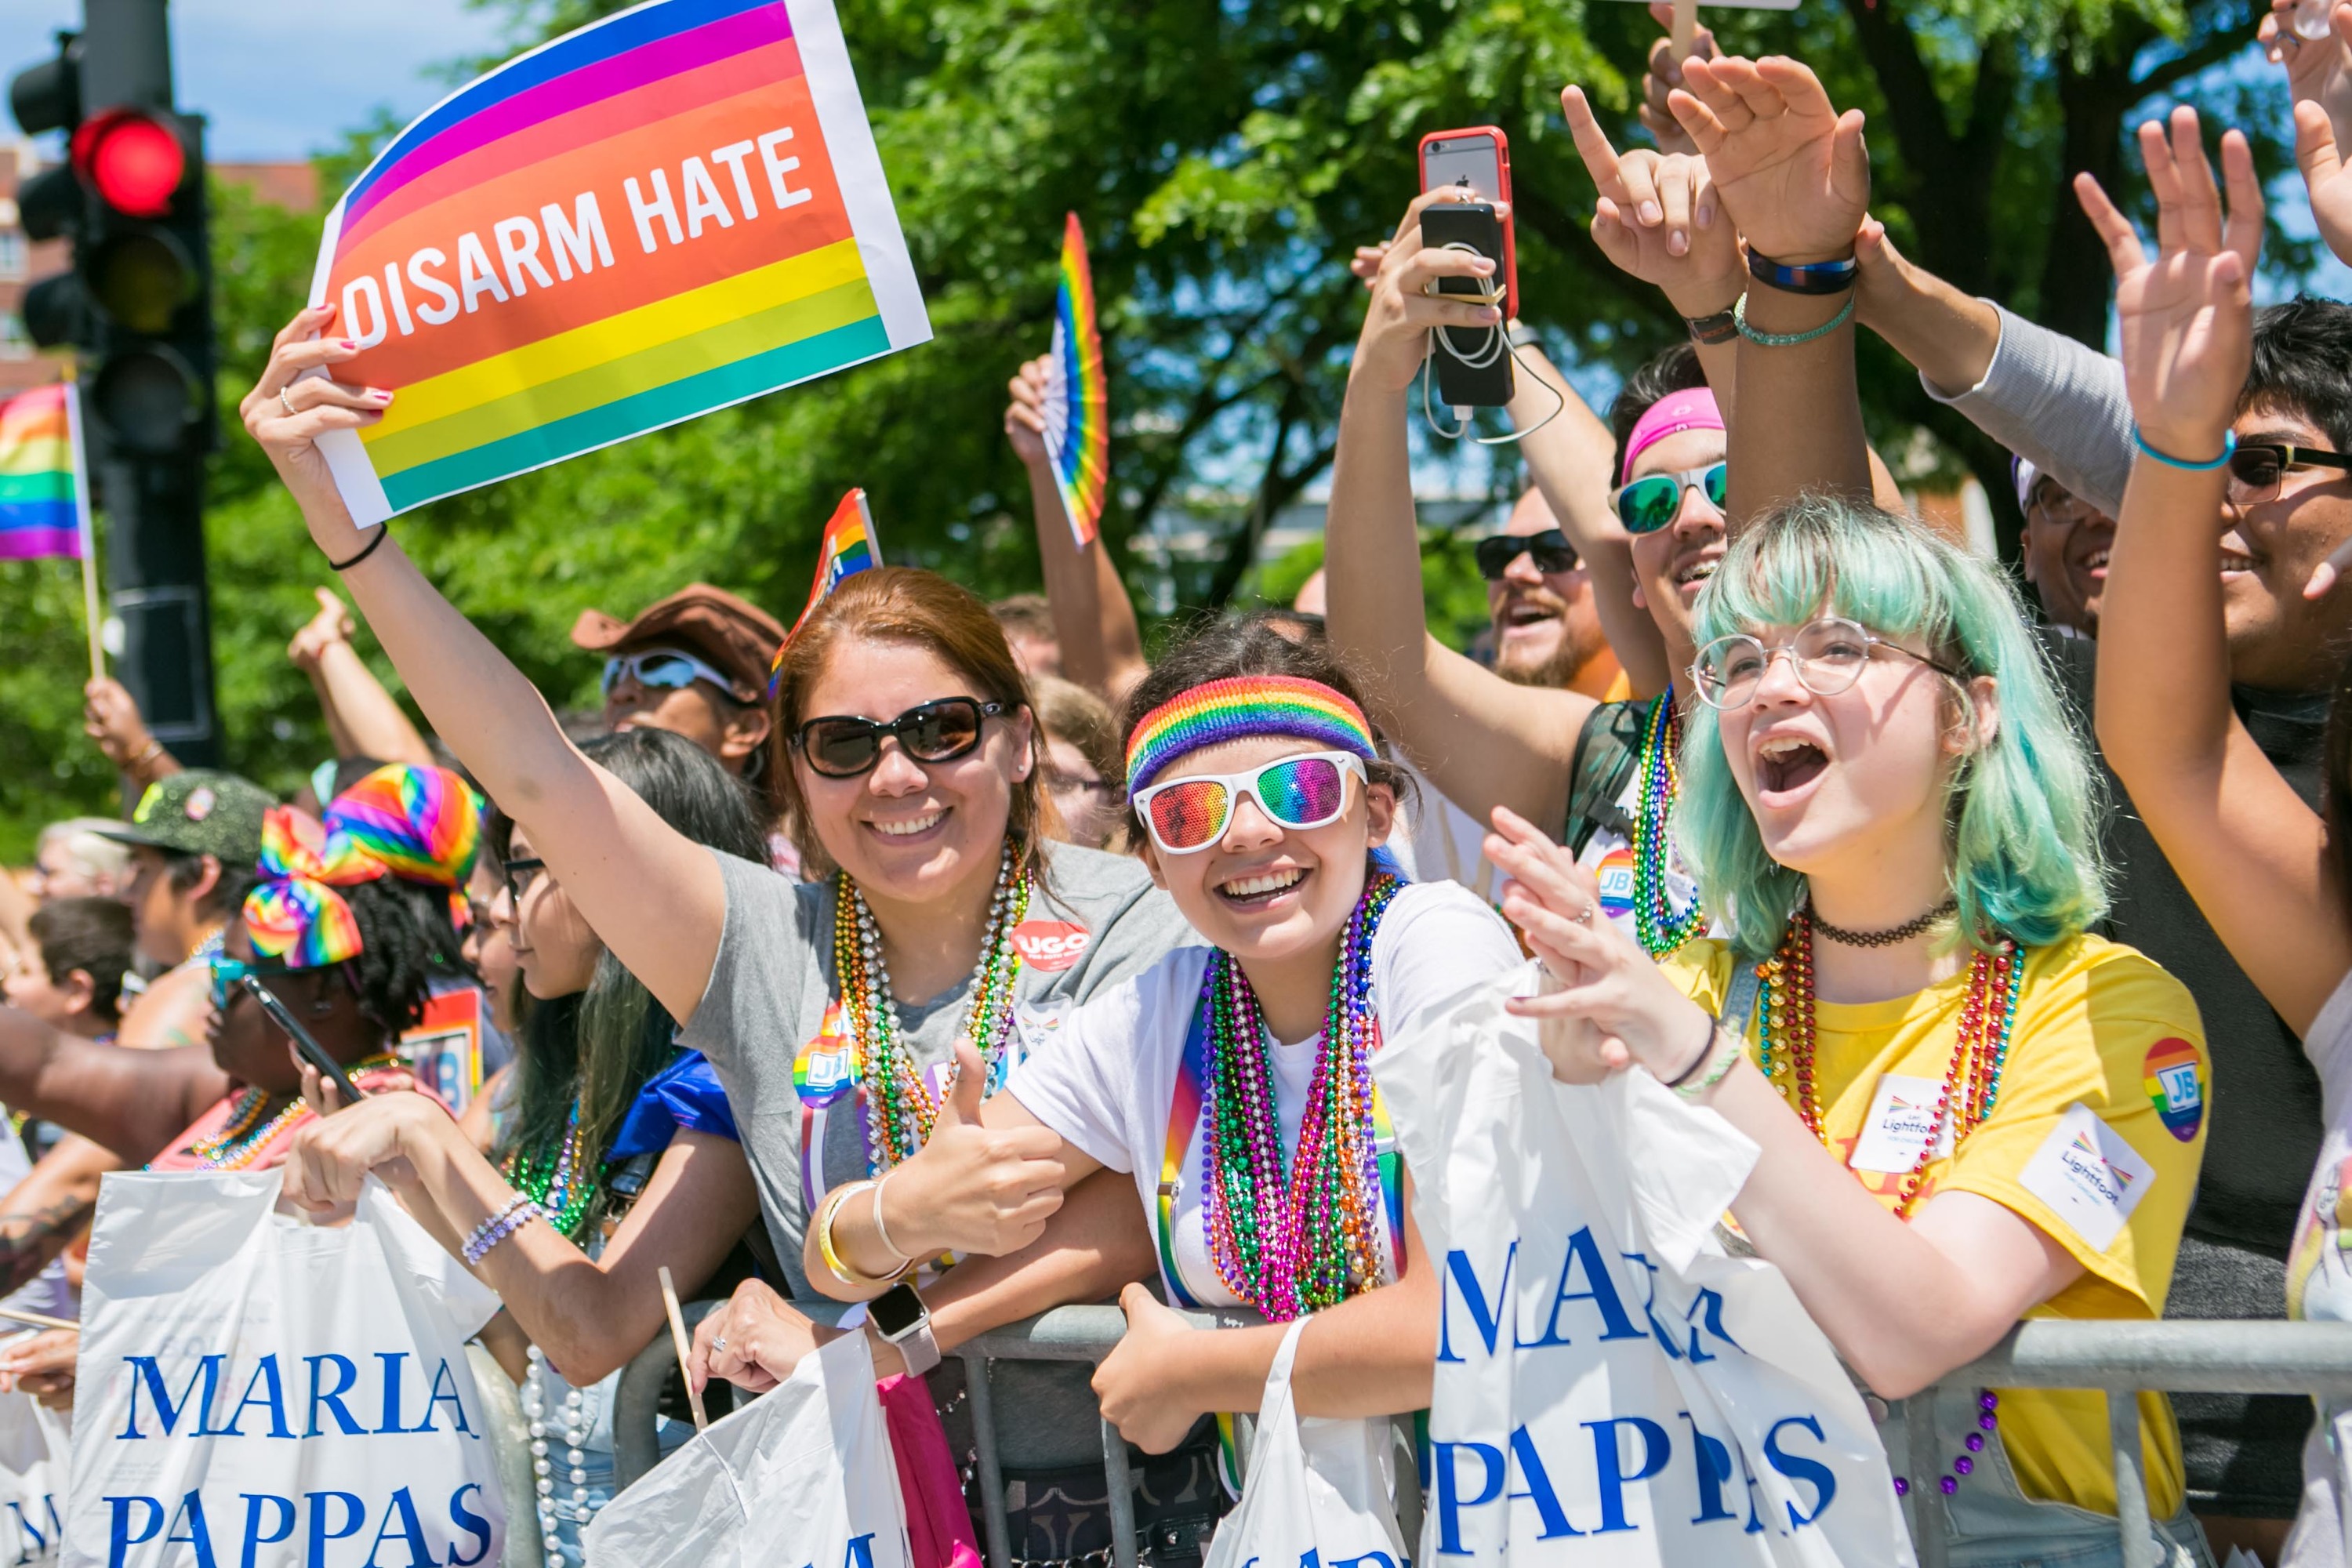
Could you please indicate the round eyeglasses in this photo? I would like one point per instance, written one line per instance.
(1828, 653)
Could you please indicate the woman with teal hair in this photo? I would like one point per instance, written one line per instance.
(1944, 1073)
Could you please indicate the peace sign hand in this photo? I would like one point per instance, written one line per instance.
(1793, 171)
(1658, 216)
(2186, 318)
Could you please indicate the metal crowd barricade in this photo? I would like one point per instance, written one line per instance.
(2118, 1358)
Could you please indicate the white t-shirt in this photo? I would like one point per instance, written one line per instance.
(2319, 1289)
(1442, 841)
(1107, 1081)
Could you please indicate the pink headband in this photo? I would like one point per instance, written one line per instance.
(1670, 415)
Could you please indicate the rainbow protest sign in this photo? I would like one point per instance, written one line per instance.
(666, 212)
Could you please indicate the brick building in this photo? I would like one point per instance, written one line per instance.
(21, 263)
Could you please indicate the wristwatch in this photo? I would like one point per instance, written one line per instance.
(899, 1316)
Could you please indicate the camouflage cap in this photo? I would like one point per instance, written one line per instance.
(198, 812)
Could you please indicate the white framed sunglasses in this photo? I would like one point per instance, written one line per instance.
(1185, 816)
(666, 669)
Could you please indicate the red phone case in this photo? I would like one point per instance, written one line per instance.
(1503, 167)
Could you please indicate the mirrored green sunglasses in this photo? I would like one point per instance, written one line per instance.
(1653, 502)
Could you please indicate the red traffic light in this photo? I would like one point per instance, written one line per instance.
(134, 161)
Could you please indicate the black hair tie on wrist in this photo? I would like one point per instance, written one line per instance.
(382, 531)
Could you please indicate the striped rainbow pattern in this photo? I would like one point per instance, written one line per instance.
(422, 823)
(1077, 400)
(664, 212)
(39, 483)
(848, 548)
(1243, 706)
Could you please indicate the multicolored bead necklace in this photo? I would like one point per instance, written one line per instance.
(1293, 1242)
(1971, 1085)
(899, 1107)
(1660, 927)
(561, 1180)
(1970, 1089)
(244, 1135)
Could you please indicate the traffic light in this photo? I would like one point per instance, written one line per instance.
(136, 307)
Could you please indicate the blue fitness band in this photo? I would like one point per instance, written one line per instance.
(2229, 450)
(1812, 277)
(1787, 340)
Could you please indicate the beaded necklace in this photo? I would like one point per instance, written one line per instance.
(1293, 1242)
(244, 1135)
(560, 1181)
(1660, 927)
(1971, 1085)
(899, 1107)
(1980, 1053)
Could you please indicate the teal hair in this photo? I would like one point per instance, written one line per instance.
(2024, 858)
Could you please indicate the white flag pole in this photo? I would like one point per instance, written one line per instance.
(83, 524)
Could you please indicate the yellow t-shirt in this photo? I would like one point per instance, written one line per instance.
(2098, 1026)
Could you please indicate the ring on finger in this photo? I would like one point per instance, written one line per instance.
(284, 402)
(1584, 916)
(719, 1344)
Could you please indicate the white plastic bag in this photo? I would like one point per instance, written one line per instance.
(804, 1478)
(33, 1454)
(1318, 1489)
(254, 1389)
(1612, 1387)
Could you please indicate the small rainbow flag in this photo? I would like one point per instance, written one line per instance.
(44, 497)
(1077, 392)
(668, 211)
(848, 548)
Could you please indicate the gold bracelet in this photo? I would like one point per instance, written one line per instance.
(837, 1265)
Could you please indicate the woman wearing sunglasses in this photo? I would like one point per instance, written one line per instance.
(1968, 1109)
(1231, 1083)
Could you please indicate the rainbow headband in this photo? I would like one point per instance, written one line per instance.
(1239, 707)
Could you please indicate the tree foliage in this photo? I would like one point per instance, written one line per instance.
(1224, 157)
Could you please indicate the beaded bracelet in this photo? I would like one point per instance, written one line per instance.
(2229, 450)
(1787, 340)
(1720, 328)
(518, 1212)
(1810, 278)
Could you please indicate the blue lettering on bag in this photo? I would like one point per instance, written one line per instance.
(119, 1536)
(412, 1530)
(1488, 1321)
(860, 1553)
(392, 1360)
(144, 1372)
(354, 1516)
(1799, 1468)
(1450, 1501)
(191, 1512)
(253, 1538)
(1538, 1492)
(1617, 1323)
(274, 1402)
(472, 1523)
(332, 1398)
(37, 1544)
(1608, 1461)
(441, 1376)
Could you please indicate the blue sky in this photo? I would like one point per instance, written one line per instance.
(283, 78)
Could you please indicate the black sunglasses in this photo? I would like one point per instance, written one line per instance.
(2256, 468)
(843, 746)
(1550, 547)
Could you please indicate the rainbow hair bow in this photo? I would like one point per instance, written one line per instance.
(421, 825)
(1241, 707)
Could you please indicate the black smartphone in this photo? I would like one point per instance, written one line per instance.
(1473, 363)
(313, 1051)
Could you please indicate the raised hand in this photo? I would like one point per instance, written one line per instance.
(289, 408)
(2186, 318)
(332, 624)
(1665, 74)
(1793, 171)
(1025, 416)
(1658, 216)
(1405, 305)
(110, 715)
(2318, 70)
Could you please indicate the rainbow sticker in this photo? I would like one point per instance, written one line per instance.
(1615, 877)
(826, 1068)
(2174, 1077)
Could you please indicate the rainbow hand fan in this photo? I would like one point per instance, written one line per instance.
(1077, 393)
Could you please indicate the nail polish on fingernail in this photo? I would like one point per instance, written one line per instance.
(352, 343)
(380, 396)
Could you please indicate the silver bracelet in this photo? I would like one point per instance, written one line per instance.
(882, 1234)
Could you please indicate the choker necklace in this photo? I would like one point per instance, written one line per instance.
(1657, 925)
(1892, 934)
(1971, 1085)
(899, 1108)
(1293, 1242)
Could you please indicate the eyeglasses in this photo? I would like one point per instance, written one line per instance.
(1550, 547)
(664, 668)
(519, 874)
(228, 974)
(1651, 502)
(843, 746)
(1829, 655)
(1190, 813)
(2256, 470)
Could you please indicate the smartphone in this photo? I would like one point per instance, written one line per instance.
(1473, 363)
(1480, 158)
(313, 1051)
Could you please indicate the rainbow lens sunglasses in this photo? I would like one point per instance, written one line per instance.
(1187, 815)
(1649, 503)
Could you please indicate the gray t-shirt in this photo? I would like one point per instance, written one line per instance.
(1093, 921)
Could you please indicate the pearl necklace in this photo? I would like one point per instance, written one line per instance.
(575, 1432)
(1971, 1085)
(900, 1108)
(1293, 1242)
(1659, 926)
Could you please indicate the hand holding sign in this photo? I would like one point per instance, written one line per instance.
(1791, 170)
